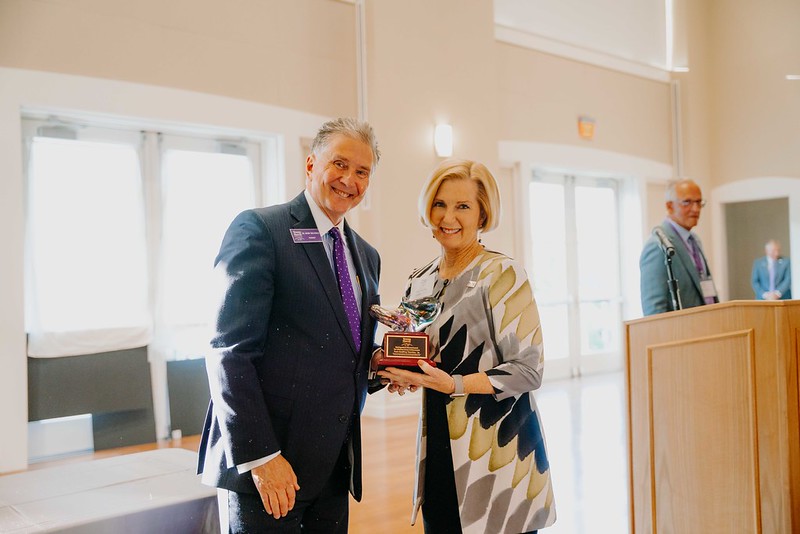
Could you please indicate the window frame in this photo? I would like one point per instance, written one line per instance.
(151, 141)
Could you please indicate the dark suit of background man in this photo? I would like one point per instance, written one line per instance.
(772, 275)
(287, 377)
(684, 200)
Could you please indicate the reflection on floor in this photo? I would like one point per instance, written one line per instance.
(585, 427)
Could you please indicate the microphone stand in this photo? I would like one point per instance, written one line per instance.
(672, 283)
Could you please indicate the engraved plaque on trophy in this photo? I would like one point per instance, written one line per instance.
(405, 345)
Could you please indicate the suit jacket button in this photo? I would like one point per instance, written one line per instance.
(343, 419)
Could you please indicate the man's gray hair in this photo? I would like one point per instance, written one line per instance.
(353, 128)
(671, 194)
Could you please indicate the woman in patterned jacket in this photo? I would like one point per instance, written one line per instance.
(482, 465)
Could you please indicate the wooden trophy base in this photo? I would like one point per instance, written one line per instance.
(404, 350)
(407, 364)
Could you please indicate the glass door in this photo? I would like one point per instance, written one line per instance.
(574, 263)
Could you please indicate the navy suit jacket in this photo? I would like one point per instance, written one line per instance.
(653, 282)
(783, 278)
(284, 373)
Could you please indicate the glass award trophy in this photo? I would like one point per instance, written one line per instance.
(405, 345)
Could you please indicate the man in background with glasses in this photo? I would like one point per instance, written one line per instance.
(684, 201)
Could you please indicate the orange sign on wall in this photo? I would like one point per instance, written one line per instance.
(586, 127)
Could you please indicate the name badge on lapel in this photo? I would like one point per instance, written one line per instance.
(707, 286)
(305, 235)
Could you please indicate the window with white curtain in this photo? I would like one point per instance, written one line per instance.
(123, 228)
(203, 186)
(86, 252)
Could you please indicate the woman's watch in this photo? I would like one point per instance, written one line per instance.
(458, 386)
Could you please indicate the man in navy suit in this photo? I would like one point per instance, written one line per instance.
(684, 200)
(772, 274)
(290, 357)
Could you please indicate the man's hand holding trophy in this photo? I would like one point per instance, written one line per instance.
(405, 345)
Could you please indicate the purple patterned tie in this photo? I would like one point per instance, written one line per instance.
(698, 259)
(699, 263)
(346, 287)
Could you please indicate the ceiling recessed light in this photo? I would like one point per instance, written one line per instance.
(793, 76)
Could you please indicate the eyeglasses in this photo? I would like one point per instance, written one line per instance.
(686, 203)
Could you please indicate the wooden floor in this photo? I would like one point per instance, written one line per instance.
(584, 426)
(389, 454)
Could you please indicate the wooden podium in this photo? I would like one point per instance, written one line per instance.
(714, 441)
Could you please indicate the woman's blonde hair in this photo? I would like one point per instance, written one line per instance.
(463, 169)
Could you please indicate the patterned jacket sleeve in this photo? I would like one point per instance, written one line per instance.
(516, 329)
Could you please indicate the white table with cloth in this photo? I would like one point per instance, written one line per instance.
(148, 492)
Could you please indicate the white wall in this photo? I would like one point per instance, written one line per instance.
(630, 32)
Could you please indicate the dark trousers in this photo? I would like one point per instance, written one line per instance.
(324, 513)
(440, 507)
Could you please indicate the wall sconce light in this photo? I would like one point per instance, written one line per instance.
(443, 140)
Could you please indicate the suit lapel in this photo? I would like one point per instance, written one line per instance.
(780, 268)
(321, 264)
